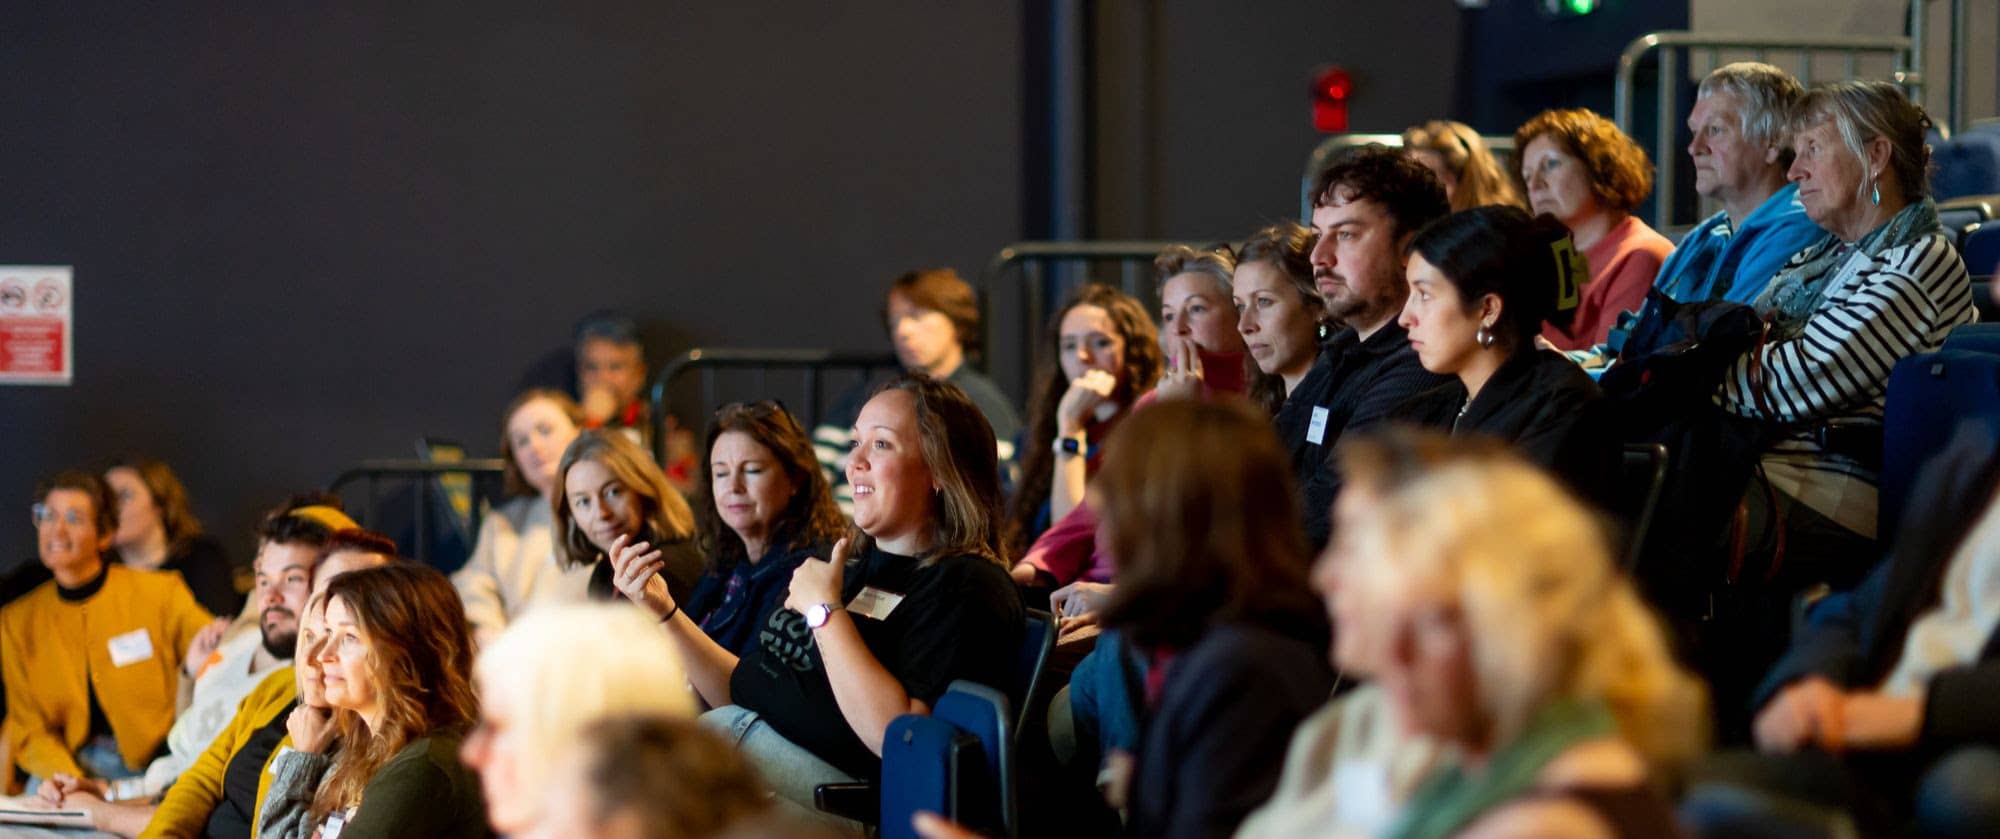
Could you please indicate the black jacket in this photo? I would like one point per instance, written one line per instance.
(1357, 383)
(1855, 638)
(1542, 404)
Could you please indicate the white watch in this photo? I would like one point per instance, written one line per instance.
(819, 613)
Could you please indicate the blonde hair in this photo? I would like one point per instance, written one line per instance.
(1547, 614)
(663, 510)
(1481, 181)
(562, 667)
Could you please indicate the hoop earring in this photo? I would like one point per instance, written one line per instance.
(1484, 336)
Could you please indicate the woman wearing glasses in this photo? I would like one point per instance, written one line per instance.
(768, 507)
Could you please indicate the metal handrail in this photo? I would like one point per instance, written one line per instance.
(1316, 162)
(812, 361)
(372, 470)
(1133, 254)
(1668, 115)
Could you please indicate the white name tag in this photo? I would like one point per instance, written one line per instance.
(271, 767)
(874, 603)
(1316, 432)
(131, 647)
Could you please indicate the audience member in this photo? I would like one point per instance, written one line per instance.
(1507, 633)
(767, 508)
(1279, 313)
(1212, 596)
(1460, 159)
(656, 777)
(1578, 167)
(1367, 207)
(1481, 284)
(1103, 354)
(395, 663)
(91, 660)
(539, 690)
(611, 374)
(614, 496)
(1884, 283)
(158, 531)
(926, 601)
(1204, 353)
(513, 564)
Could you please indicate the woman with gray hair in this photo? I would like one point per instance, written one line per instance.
(1883, 283)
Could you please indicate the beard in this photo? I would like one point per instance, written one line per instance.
(280, 642)
(1353, 307)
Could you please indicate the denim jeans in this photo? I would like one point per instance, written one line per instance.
(791, 771)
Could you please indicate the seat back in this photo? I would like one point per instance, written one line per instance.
(1929, 395)
(986, 794)
(924, 762)
(1974, 337)
(1642, 476)
(1033, 660)
(1981, 249)
(1982, 300)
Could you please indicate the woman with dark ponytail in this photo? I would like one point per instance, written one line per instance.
(1482, 282)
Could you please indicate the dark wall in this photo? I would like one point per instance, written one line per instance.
(309, 234)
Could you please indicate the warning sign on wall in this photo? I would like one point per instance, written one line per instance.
(36, 326)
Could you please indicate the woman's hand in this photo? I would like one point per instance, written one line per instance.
(635, 570)
(203, 646)
(1078, 599)
(311, 728)
(1806, 712)
(61, 786)
(1085, 393)
(1182, 377)
(818, 580)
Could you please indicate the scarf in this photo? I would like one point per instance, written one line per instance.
(1452, 798)
(1795, 293)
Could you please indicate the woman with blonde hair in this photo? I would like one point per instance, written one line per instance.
(1507, 633)
(539, 689)
(1463, 163)
(611, 495)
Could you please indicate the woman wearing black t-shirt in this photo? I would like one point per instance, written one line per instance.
(918, 599)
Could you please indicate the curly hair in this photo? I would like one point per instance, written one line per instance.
(1620, 174)
(810, 516)
(420, 659)
(1138, 372)
(1406, 189)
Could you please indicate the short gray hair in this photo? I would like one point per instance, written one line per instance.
(1765, 97)
(1217, 263)
(1863, 111)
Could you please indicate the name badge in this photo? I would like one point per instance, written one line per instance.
(131, 647)
(874, 603)
(271, 768)
(1316, 432)
(331, 829)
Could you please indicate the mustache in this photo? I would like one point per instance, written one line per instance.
(280, 610)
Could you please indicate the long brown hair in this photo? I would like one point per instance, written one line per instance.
(959, 450)
(421, 662)
(1286, 246)
(177, 516)
(662, 510)
(810, 517)
(1138, 372)
(515, 483)
(1199, 510)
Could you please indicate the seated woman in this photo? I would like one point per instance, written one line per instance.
(1204, 354)
(1507, 634)
(395, 663)
(768, 508)
(1104, 353)
(1578, 167)
(1212, 595)
(513, 564)
(539, 689)
(614, 496)
(1883, 284)
(926, 601)
(1481, 283)
(158, 531)
(1281, 316)
(1463, 163)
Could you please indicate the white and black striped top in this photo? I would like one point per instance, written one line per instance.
(1876, 310)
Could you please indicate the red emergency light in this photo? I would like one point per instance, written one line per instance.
(1330, 89)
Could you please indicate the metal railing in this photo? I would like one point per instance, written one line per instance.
(1030, 260)
(811, 363)
(1668, 111)
(1316, 162)
(419, 473)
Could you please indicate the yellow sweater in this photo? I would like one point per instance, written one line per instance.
(184, 813)
(52, 652)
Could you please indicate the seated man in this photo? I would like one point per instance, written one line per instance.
(92, 659)
(1882, 707)
(292, 540)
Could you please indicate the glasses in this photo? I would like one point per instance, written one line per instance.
(44, 514)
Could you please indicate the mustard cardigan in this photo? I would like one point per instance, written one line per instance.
(45, 643)
(184, 813)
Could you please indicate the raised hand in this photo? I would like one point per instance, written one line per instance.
(818, 580)
(635, 571)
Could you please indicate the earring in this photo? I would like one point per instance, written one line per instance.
(1875, 193)
(1484, 336)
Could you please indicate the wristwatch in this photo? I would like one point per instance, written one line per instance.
(819, 613)
(1072, 444)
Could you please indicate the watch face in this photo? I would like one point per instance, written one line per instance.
(816, 615)
(1071, 446)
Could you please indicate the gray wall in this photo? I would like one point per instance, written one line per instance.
(308, 234)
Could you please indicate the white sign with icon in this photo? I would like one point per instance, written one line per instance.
(37, 325)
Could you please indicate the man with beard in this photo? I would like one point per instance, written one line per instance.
(291, 542)
(1366, 208)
